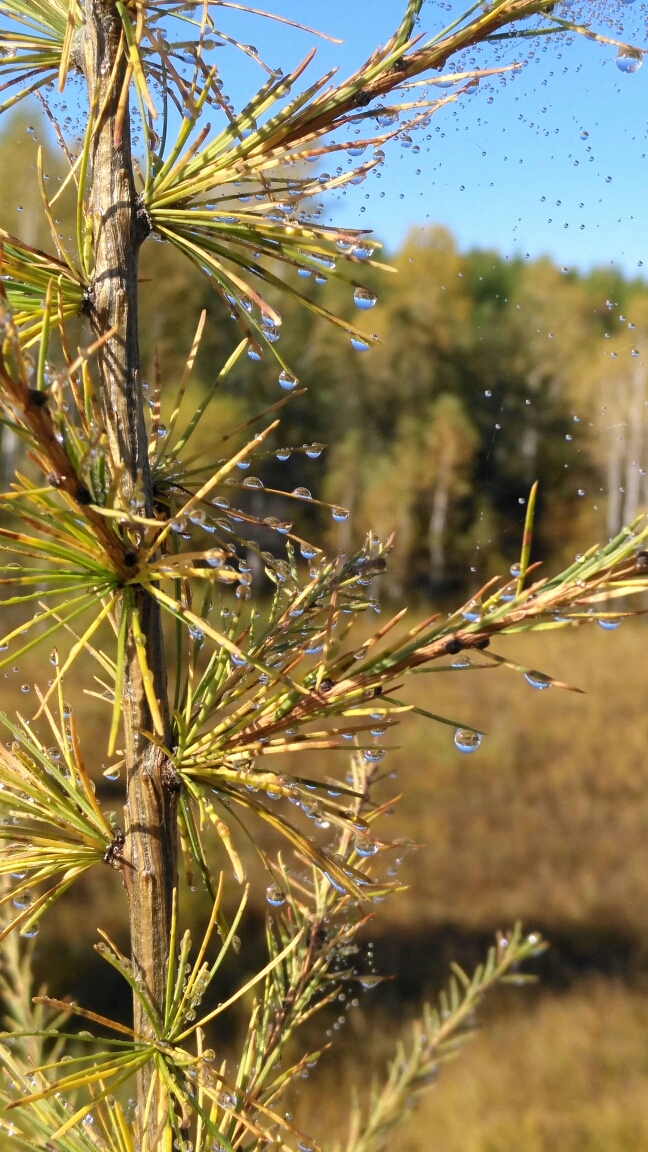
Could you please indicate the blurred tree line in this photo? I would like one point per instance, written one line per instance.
(492, 372)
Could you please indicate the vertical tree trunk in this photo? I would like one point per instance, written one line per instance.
(614, 483)
(636, 410)
(438, 517)
(150, 851)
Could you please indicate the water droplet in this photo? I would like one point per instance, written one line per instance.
(370, 981)
(339, 514)
(24, 687)
(365, 846)
(275, 895)
(252, 482)
(227, 1101)
(359, 345)
(302, 493)
(287, 381)
(515, 570)
(112, 773)
(537, 680)
(466, 740)
(628, 61)
(363, 251)
(29, 933)
(608, 625)
(364, 298)
(472, 612)
(313, 451)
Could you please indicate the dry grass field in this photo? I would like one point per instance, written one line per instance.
(547, 822)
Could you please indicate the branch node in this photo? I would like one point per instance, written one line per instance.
(170, 778)
(37, 398)
(453, 646)
(144, 222)
(114, 852)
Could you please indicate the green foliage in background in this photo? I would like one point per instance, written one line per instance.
(469, 342)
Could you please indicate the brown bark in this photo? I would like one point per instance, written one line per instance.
(150, 850)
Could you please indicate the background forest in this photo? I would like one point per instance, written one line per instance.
(491, 373)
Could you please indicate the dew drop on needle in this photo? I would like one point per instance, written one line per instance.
(466, 740)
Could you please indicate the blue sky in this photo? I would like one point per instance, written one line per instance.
(485, 177)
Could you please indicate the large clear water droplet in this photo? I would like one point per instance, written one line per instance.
(365, 846)
(628, 61)
(609, 625)
(370, 981)
(364, 298)
(359, 345)
(466, 740)
(287, 381)
(472, 612)
(227, 1101)
(538, 680)
(275, 895)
